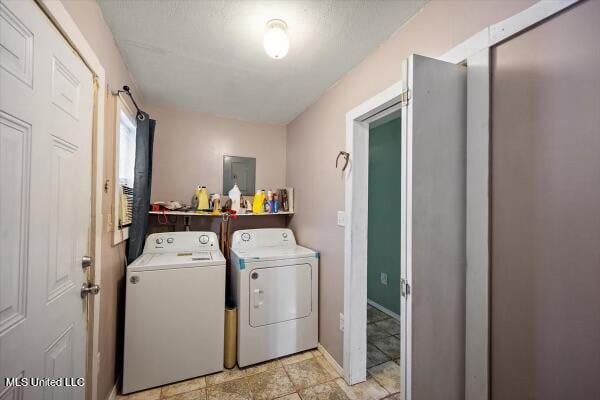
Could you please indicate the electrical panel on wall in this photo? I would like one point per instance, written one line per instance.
(240, 171)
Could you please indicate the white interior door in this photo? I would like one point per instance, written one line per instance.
(46, 100)
(434, 261)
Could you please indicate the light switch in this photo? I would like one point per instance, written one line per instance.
(341, 218)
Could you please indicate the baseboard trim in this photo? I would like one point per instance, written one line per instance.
(113, 393)
(331, 360)
(383, 309)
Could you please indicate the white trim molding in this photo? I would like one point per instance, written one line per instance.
(355, 231)
(56, 11)
(383, 309)
(331, 360)
(503, 30)
(477, 227)
(120, 234)
(113, 394)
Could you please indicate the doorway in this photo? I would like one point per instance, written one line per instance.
(383, 252)
(379, 114)
(432, 229)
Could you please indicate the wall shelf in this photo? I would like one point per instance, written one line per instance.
(188, 215)
(202, 214)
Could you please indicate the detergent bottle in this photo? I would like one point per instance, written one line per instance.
(276, 205)
(269, 202)
(202, 194)
(216, 204)
(259, 202)
(234, 196)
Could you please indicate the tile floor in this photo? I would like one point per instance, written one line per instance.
(302, 376)
(383, 349)
(383, 338)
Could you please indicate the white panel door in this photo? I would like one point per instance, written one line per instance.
(433, 220)
(280, 294)
(46, 101)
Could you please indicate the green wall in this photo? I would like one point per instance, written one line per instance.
(384, 215)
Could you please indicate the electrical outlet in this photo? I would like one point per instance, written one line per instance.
(341, 218)
(341, 322)
(383, 278)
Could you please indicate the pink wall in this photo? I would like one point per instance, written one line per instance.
(315, 136)
(189, 149)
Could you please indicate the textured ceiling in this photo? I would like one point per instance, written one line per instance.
(207, 55)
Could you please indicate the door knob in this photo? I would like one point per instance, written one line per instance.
(88, 288)
(86, 262)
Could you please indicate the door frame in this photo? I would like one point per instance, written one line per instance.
(474, 52)
(63, 21)
(358, 120)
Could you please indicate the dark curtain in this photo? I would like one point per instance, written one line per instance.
(142, 183)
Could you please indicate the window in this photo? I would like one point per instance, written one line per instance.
(124, 169)
(126, 150)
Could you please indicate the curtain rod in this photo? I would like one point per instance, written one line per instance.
(127, 91)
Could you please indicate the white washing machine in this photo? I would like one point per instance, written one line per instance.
(174, 310)
(276, 288)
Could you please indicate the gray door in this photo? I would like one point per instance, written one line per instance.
(433, 260)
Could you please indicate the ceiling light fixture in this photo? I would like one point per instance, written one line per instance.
(276, 41)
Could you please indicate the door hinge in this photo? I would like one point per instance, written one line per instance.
(404, 288)
(405, 97)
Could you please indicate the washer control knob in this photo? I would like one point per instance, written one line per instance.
(245, 236)
(170, 240)
(284, 235)
(203, 239)
(159, 240)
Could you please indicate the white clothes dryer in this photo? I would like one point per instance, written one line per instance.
(276, 288)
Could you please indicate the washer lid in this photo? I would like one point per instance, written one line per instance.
(275, 253)
(154, 261)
